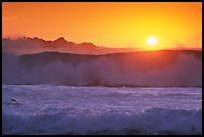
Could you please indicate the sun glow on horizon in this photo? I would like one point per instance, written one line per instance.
(110, 24)
(152, 41)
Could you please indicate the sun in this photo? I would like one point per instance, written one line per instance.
(152, 41)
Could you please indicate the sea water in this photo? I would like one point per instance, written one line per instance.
(52, 109)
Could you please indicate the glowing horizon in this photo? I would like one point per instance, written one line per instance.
(109, 24)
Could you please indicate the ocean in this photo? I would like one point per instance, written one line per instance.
(54, 109)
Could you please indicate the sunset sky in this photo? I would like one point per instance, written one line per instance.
(111, 24)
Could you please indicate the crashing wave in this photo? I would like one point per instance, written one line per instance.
(151, 121)
(150, 68)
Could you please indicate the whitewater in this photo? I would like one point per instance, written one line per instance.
(57, 109)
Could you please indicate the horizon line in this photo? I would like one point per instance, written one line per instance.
(102, 46)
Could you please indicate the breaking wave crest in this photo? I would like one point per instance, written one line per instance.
(125, 69)
(151, 121)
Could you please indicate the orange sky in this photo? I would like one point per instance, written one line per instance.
(111, 24)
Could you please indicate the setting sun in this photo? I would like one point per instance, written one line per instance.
(111, 24)
(152, 41)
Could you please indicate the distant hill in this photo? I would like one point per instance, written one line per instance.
(26, 45)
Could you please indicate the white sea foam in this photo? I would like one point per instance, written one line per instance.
(49, 109)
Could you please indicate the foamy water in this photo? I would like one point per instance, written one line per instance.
(50, 109)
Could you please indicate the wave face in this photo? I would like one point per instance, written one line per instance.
(48, 109)
(150, 68)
